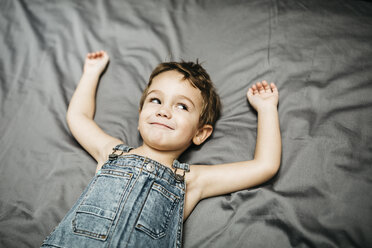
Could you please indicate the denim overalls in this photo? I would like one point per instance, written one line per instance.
(132, 201)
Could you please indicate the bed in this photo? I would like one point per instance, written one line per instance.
(317, 52)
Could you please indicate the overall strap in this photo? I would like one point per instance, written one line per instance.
(121, 147)
(183, 166)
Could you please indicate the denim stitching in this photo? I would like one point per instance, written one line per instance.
(112, 222)
(127, 196)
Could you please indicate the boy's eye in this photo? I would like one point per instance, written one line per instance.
(155, 100)
(182, 106)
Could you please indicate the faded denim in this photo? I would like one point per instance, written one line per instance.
(132, 201)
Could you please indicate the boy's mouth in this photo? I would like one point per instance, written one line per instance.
(161, 125)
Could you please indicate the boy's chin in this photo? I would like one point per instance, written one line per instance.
(166, 146)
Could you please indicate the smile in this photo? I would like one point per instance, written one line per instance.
(161, 125)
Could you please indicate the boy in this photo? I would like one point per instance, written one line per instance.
(178, 108)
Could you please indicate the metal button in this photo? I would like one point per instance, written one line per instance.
(150, 167)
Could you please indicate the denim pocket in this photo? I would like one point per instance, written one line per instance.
(157, 211)
(98, 209)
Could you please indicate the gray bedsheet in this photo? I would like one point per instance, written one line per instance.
(318, 52)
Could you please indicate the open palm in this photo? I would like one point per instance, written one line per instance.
(261, 95)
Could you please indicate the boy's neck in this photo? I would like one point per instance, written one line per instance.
(164, 157)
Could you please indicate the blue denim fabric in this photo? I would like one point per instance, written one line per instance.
(132, 201)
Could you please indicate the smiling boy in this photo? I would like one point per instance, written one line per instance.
(169, 118)
(179, 107)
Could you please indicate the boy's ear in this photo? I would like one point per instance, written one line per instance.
(203, 133)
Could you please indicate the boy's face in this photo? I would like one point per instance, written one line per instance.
(169, 119)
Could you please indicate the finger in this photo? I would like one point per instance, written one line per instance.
(266, 86)
(260, 87)
(255, 90)
(274, 88)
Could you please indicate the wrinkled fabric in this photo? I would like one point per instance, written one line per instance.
(317, 52)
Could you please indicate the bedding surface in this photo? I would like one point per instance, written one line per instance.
(317, 52)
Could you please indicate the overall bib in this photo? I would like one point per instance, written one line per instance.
(133, 201)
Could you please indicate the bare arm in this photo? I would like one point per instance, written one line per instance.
(81, 110)
(227, 178)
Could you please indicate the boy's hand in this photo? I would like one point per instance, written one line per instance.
(262, 95)
(96, 62)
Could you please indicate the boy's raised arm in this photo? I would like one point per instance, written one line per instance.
(227, 178)
(81, 110)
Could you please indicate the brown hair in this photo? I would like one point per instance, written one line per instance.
(199, 78)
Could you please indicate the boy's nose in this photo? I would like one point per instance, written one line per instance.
(164, 112)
